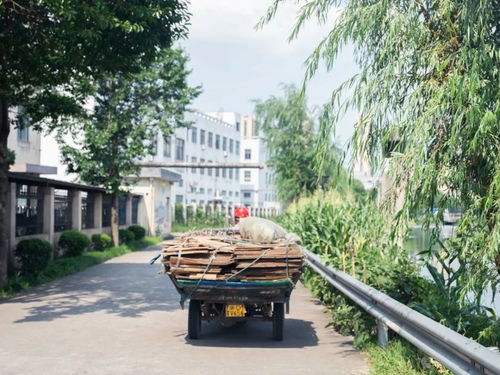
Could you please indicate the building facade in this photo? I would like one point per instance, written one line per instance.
(257, 187)
(208, 140)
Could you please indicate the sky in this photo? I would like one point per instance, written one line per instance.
(237, 64)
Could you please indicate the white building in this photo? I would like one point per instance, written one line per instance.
(257, 189)
(208, 140)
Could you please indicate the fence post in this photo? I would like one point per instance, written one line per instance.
(382, 334)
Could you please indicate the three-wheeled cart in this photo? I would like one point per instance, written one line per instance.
(235, 302)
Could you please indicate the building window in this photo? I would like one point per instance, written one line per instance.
(223, 193)
(237, 174)
(237, 126)
(179, 199)
(22, 127)
(167, 146)
(135, 209)
(210, 191)
(193, 160)
(248, 154)
(236, 194)
(194, 134)
(237, 147)
(231, 146)
(217, 172)
(202, 190)
(62, 210)
(179, 149)
(217, 142)
(230, 193)
(154, 144)
(209, 171)
(224, 143)
(224, 172)
(87, 210)
(231, 173)
(246, 194)
(106, 210)
(210, 139)
(248, 176)
(202, 136)
(122, 210)
(202, 170)
(29, 210)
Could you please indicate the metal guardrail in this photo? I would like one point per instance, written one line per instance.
(454, 351)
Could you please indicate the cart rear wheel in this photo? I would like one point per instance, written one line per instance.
(278, 320)
(194, 319)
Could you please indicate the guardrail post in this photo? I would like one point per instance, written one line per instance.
(382, 334)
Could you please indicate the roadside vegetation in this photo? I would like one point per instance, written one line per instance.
(75, 252)
(427, 96)
(188, 219)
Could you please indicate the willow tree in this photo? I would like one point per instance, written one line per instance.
(129, 112)
(292, 135)
(428, 90)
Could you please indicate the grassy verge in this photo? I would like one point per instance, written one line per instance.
(65, 266)
(400, 357)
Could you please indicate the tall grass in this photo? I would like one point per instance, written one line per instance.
(355, 236)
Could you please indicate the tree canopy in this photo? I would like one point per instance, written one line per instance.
(428, 94)
(292, 137)
(128, 114)
(51, 51)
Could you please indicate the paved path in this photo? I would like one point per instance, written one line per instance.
(122, 317)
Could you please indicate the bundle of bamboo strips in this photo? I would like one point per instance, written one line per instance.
(218, 258)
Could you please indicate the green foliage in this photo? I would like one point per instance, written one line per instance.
(65, 266)
(294, 142)
(427, 89)
(354, 236)
(128, 113)
(139, 231)
(401, 357)
(73, 242)
(101, 242)
(33, 254)
(11, 157)
(126, 236)
(51, 49)
(179, 218)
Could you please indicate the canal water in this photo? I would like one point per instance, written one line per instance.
(418, 240)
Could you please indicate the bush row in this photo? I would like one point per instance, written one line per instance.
(34, 253)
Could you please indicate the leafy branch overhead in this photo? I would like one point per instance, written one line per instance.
(129, 111)
(428, 93)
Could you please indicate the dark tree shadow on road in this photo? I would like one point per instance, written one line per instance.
(297, 334)
(123, 289)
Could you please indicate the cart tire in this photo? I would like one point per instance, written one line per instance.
(194, 319)
(278, 320)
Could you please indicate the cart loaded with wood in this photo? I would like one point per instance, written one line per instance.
(231, 280)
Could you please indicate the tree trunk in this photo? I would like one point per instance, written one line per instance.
(4, 188)
(114, 221)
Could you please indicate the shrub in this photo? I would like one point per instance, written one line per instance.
(73, 242)
(101, 241)
(139, 232)
(126, 236)
(34, 255)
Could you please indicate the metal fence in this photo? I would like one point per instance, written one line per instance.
(458, 353)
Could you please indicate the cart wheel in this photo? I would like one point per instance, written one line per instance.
(278, 320)
(194, 319)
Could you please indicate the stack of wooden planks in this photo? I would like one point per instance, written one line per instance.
(231, 259)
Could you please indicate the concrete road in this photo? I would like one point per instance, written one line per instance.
(122, 317)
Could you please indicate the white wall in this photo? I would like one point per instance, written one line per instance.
(27, 151)
(203, 186)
